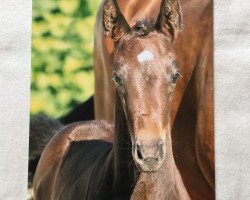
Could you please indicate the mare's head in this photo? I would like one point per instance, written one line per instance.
(145, 72)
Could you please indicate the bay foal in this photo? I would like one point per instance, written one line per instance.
(192, 109)
(81, 162)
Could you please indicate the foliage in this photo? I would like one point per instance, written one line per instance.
(62, 40)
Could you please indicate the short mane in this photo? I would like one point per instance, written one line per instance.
(143, 27)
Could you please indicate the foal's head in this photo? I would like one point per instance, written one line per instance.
(145, 72)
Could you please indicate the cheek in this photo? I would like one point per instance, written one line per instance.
(170, 92)
(123, 101)
(126, 109)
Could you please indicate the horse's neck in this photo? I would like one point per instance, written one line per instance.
(134, 10)
(163, 184)
(123, 164)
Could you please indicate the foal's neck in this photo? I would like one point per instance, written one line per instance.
(124, 168)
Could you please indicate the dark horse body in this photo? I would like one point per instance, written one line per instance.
(80, 162)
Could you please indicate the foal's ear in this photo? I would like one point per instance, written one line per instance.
(114, 23)
(170, 20)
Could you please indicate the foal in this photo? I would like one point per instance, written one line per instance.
(80, 162)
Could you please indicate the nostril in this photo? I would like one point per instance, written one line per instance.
(138, 150)
(160, 143)
(160, 148)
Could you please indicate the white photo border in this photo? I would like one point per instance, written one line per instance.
(232, 98)
(15, 65)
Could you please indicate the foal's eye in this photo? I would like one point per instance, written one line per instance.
(117, 79)
(175, 78)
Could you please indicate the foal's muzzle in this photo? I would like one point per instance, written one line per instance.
(149, 154)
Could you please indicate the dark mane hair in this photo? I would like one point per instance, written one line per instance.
(143, 27)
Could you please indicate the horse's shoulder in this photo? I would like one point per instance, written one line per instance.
(91, 130)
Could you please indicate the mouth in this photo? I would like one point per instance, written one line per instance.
(150, 168)
(149, 165)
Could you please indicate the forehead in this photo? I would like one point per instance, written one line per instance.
(148, 49)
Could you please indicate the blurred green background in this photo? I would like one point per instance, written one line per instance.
(62, 64)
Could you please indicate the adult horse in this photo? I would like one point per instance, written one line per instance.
(192, 110)
(80, 162)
